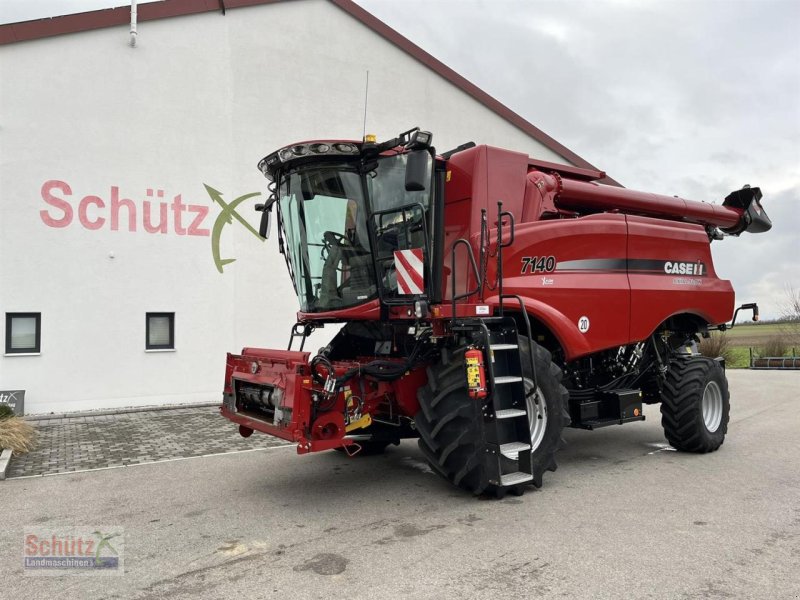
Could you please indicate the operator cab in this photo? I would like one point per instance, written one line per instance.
(353, 219)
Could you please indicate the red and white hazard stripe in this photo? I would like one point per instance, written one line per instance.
(410, 271)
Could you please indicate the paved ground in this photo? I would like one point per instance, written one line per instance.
(93, 442)
(623, 517)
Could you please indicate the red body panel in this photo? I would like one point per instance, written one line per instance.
(592, 253)
(657, 296)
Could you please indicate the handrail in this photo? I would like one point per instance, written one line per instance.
(471, 256)
(308, 329)
(500, 245)
(528, 332)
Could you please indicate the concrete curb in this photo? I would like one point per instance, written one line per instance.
(115, 411)
(5, 458)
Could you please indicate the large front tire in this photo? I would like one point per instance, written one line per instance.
(450, 423)
(547, 440)
(695, 404)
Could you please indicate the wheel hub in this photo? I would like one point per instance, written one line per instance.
(712, 406)
(537, 414)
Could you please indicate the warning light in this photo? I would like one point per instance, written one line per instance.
(635, 412)
(370, 138)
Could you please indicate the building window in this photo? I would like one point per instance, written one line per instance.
(23, 333)
(160, 334)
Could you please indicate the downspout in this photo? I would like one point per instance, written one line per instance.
(133, 24)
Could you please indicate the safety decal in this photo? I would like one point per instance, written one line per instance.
(410, 270)
(583, 324)
(635, 265)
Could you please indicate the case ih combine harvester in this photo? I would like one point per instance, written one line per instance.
(489, 300)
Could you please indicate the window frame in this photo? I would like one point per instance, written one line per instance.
(37, 349)
(171, 345)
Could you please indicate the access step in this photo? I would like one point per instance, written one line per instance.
(504, 346)
(510, 413)
(510, 479)
(512, 449)
(507, 379)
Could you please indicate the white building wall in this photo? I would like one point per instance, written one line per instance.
(200, 100)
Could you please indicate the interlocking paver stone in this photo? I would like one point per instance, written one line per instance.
(66, 445)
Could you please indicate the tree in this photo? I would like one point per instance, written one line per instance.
(790, 314)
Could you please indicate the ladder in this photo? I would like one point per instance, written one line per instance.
(506, 424)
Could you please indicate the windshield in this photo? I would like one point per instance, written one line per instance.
(387, 188)
(324, 219)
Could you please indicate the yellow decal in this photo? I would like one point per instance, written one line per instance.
(364, 421)
(449, 175)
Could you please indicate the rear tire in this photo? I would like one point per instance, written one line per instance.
(450, 423)
(695, 404)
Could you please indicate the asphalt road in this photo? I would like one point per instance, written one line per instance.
(624, 516)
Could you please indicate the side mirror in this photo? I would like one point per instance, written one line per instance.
(417, 176)
(263, 228)
(266, 217)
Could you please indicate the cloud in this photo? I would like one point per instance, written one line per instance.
(692, 98)
(682, 98)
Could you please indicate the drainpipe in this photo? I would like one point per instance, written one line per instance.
(133, 24)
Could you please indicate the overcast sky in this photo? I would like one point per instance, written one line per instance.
(688, 97)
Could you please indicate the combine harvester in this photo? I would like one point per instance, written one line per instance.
(489, 300)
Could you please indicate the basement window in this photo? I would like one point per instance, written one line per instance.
(160, 331)
(23, 333)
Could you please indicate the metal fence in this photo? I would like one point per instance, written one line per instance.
(774, 362)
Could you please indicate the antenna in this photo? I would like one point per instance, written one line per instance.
(366, 96)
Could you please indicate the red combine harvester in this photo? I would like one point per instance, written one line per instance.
(489, 300)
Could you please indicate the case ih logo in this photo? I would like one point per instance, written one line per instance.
(156, 215)
(684, 268)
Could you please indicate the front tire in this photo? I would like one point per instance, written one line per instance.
(547, 440)
(695, 404)
(450, 423)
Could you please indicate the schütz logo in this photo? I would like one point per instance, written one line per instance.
(226, 217)
(155, 214)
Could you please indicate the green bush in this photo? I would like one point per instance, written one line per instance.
(716, 346)
(775, 346)
(6, 412)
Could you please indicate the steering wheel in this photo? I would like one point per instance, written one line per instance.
(332, 239)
